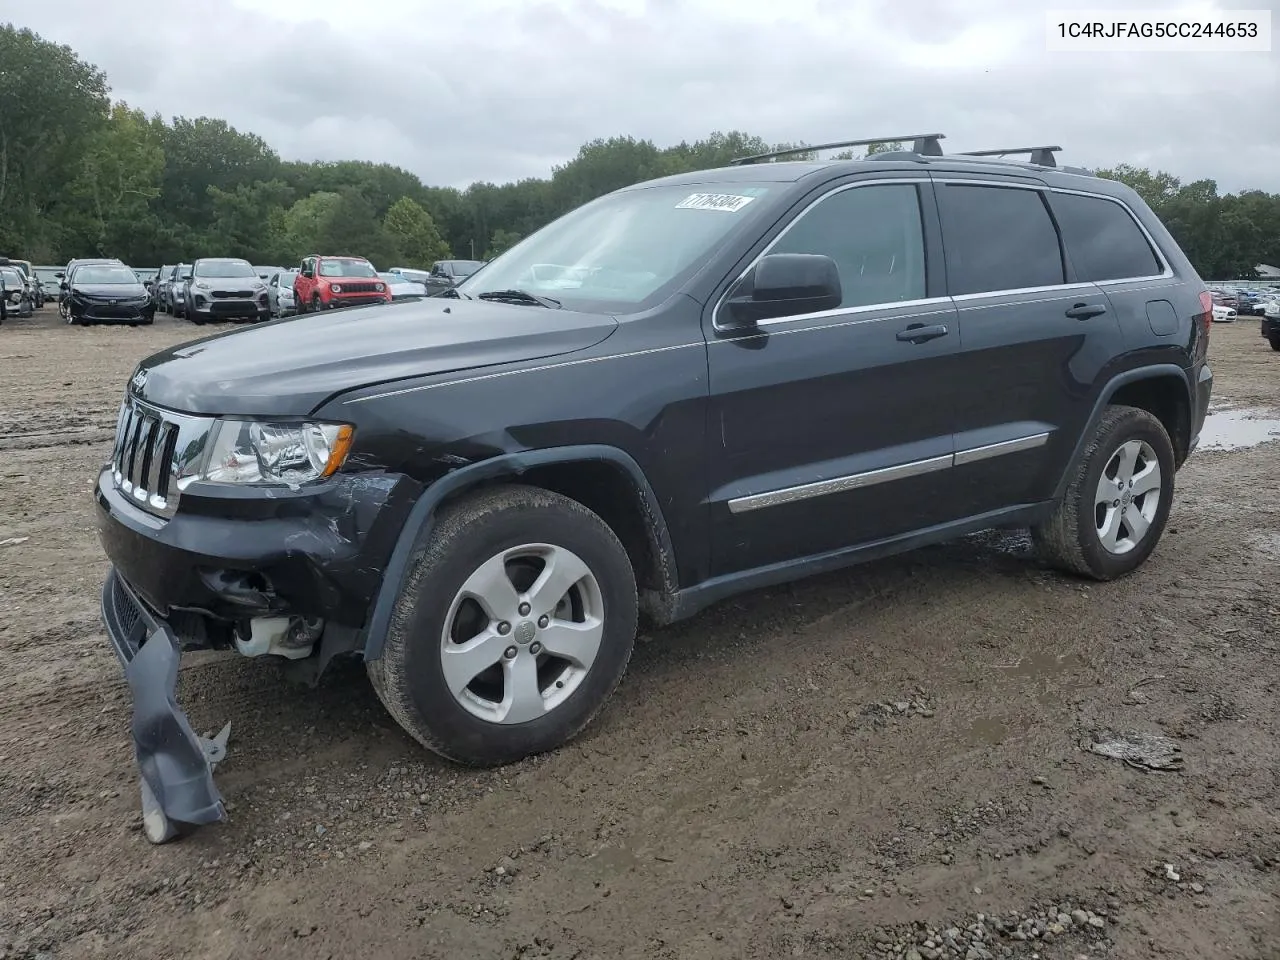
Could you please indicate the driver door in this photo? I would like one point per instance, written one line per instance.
(833, 430)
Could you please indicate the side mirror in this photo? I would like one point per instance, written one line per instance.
(60, 275)
(785, 285)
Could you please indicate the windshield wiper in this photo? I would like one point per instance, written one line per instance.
(518, 296)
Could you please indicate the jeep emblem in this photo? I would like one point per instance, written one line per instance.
(525, 632)
(139, 380)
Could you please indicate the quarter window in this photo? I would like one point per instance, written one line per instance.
(874, 235)
(998, 238)
(1102, 240)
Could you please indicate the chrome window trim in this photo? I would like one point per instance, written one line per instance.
(1165, 274)
(879, 181)
(868, 478)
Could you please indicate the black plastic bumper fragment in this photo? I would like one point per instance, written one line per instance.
(172, 759)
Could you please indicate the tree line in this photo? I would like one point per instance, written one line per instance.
(81, 175)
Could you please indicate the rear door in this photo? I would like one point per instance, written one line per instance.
(834, 429)
(1034, 339)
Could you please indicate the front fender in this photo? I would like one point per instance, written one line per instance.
(421, 518)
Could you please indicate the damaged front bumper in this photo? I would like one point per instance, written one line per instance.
(176, 765)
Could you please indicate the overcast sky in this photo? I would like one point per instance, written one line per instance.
(503, 89)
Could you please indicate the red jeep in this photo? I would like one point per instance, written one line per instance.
(327, 282)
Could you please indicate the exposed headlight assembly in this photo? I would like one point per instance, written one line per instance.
(251, 451)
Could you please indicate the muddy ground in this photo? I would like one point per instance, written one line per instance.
(884, 762)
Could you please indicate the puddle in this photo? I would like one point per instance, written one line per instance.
(987, 730)
(1231, 428)
(1040, 666)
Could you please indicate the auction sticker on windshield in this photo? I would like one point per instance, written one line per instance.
(728, 202)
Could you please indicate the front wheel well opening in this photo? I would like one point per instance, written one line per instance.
(609, 491)
(1166, 399)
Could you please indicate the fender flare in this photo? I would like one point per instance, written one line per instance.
(1158, 370)
(418, 524)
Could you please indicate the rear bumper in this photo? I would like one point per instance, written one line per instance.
(1203, 393)
(171, 757)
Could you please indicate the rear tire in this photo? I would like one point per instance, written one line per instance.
(522, 536)
(1274, 341)
(1107, 522)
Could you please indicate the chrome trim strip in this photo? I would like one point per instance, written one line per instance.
(868, 478)
(509, 373)
(987, 451)
(879, 181)
(1022, 291)
(853, 481)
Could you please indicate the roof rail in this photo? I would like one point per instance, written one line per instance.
(924, 144)
(1041, 156)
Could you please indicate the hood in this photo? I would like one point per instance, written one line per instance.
(289, 367)
(120, 291)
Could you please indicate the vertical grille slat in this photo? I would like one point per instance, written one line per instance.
(148, 447)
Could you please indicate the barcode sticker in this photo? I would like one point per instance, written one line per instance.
(728, 202)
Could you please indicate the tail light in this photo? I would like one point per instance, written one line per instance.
(1205, 317)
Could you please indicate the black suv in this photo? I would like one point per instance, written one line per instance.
(687, 388)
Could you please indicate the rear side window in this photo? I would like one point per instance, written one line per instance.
(874, 235)
(1102, 239)
(998, 238)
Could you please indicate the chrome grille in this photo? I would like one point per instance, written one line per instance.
(155, 452)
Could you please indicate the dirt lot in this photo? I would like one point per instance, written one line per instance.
(885, 762)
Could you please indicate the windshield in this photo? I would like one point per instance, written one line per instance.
(620, 250)
(398, 278)
(224, 268)
(183, 273)
(48, 277)
(105, 273)
(346, 268)
(465, 268)
(287, 277)
(12, 277)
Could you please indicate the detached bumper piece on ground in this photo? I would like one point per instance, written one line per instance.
(176, 765)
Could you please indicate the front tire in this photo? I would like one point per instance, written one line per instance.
(513, 627)
(1274, 340)
(1117, 502)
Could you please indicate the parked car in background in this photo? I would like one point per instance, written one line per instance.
(413, 273)
(224, 288)
(176, 289)
(447, 274)
(65, 275)
(34, 291)
(280, 301)
(49, 283)
(106, 292)
(1270, 325)
(266, 273)
(325, 283)
(1223, 314)
(18, 300)
(403, 288)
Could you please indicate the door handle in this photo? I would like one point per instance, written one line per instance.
(1083, 311)
(919, 333)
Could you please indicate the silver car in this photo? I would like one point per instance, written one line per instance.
(280, 293)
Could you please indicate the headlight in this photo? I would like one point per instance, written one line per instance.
(250, 451)
(379, 287)
(336, 288)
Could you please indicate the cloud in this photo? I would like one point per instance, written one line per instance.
(502, 89)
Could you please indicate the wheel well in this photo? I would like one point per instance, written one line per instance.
(609, 491)
(1166, 399)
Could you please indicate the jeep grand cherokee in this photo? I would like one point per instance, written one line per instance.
(684, 389)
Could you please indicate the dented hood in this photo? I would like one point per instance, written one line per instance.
(289, 367)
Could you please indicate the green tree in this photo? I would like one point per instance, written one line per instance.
(51, 104)
(503, 240)
(305, 222)
(415, 233)
(352, 228)
(249, 222)
(108, 204)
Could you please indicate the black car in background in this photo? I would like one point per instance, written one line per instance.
(105, 292)
(447, 274)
